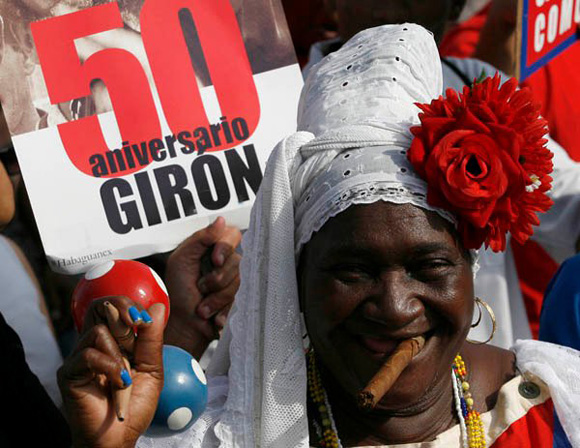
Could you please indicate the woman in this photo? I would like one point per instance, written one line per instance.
(346, 231)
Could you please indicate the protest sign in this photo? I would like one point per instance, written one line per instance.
(546, 28)
(138, 122)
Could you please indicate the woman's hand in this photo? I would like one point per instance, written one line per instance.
(201, 300)
(95, 370)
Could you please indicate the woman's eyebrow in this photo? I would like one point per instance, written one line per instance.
(347, 250)
(430, 248)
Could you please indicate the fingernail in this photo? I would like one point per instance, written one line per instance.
(146, 317)
(126, 378)
(204, 311)
(220, 321)
(220, 259)
(135, 314)
(201, 285)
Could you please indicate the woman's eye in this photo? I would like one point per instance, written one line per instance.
(351, 273)
(430, 269)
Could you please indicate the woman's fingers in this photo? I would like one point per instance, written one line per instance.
(220, 277)
(222, 317)
(96, 354)
(123, 333)
(130, 313)
(225, 246)
(148, 352)
(192, 248)
(121, 315)
(217, 301)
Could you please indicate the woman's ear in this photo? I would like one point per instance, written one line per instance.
(456, 9)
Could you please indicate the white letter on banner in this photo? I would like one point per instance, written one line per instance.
(566, 15)
(539, 33)
(553, 23)
(540, 3)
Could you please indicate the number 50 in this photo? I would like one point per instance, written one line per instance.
(68, 78)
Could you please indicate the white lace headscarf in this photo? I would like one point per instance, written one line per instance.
(354, 117)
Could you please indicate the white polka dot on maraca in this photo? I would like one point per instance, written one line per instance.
(159, 281)
(179, 419)
(184, 395)
(198, 371)
(99, 271)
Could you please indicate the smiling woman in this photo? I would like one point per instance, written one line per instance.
(377, 275)
(352, 250)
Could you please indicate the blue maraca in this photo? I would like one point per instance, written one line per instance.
(184, 395)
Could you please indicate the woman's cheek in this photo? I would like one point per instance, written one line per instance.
(340, 302)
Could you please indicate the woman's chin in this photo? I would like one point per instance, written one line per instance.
(408, 396)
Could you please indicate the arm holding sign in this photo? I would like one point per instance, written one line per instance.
(497, 44)
(200, 301)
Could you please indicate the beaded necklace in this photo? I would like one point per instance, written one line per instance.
(471, 426)
(469, 418)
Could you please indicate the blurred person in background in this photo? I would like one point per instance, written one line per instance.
(22, 301)
(30, 355)
(490, 35)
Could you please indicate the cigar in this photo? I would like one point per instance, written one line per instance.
(125, 337)
(121, 397)
(123, 334)
(380, 384)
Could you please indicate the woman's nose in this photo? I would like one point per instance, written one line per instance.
(394, 302)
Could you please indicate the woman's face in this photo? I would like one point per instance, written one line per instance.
(376, 275)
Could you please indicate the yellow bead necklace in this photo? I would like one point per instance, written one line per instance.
(469, 418)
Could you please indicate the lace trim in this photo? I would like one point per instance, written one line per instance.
(367, 193)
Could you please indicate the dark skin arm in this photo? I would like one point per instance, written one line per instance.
(94, 369)
(497, 43)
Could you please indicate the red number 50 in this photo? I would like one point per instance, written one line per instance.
(67, 77)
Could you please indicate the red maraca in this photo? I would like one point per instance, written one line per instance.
(128, 278)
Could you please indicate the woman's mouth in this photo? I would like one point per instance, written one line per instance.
(381, 347)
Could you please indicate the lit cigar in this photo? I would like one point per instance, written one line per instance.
(120, 331)
(380, 384)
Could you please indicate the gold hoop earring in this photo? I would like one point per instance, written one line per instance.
(489, 310)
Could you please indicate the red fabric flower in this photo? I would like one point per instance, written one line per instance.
(483, 156)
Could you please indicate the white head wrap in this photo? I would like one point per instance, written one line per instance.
(354, 117)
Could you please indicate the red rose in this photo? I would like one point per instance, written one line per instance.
(482, 155)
